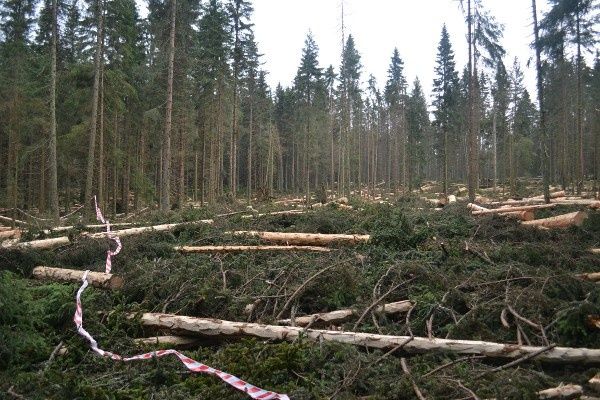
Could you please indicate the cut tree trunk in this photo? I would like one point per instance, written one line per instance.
(339, 316)
(214, 327)
(595, 251)
(560, 221)
(13, 221)
(561, 392)
(595, 383)
(96, 279)
(315, 239)
(16, 233)
(62, 240)
(590, 276)
(508, 209)
(174, 341)
(250, 249)
(527, 215)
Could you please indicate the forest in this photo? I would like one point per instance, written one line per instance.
(336, 238)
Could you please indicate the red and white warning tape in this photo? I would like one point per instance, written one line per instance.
(110, 235)
(194, 366)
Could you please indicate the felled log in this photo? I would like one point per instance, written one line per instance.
(63, 240)
(314, 239)
(16, 233)
(591, 276)
(561, 392)
(172, 341)
(95, 226)
(592, 203)
(593, 321)
(12, 220)
(5, 228)
(595, 382)
(595, 251)
(553, 195)
(506, 209)
(338, 316)
(520, 215)
(97, 279)
(221, 328)
(286, 212)
(560, 221)
(249, 249)
(144, 229)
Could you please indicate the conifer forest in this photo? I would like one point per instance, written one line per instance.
(173, 225)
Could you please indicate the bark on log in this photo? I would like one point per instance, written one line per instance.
(98, 226)
(591, 276)
(62, 240)
(592, 203)
(287, 212)
(174, 341)
(11, 221)
(42, 243)
(508, 209)
(5, 228)
(339, 316)
(520, 215)
(252, 249)
(595, 382)
(314, 239)
(10, 234)
(595, 251)
(560, 221)
(96, 279)
(215, 327)
(554, 195)
(561, 392)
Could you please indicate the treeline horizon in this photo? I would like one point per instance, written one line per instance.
(95, 100)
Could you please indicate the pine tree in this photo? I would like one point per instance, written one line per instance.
(417, 124)
(445, 88)
(572, 21)
(395, 96)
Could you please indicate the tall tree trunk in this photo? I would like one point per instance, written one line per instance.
(89, 176)
(581, 163)
(101, 198)
(249, 169)
(540, 89)
(165, 181)
(472, 138)
(495, 148)
(53, 167)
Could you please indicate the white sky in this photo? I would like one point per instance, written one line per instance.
(380, 25)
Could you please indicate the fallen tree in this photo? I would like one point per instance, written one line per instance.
(338, 316)
(13, 221)
(9, 234)
(561, 392)
(250, 249)
(220, 328)
(591, 276)
(174, 341)
(559, 221)
(96, 279)
(314, 239)
(595, 382)
(595, 251)
(526, 215)
(508, 209)
(63, 240)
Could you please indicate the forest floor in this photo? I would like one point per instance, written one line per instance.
(462, 274)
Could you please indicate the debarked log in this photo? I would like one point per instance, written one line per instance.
(338, 316)
(561, 392)
(96, 279)
(221, 328)
(304, 239)
(63, 240)
(559, 221)
(248, 249)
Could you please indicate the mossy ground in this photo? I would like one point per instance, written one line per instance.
(419, 253)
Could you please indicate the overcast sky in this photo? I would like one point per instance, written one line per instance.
(378, 26)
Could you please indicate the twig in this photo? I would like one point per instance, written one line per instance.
(374, 304)
(412, 381)
(300, 288)
(451, 363)
(517, 361)
(53, 355)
